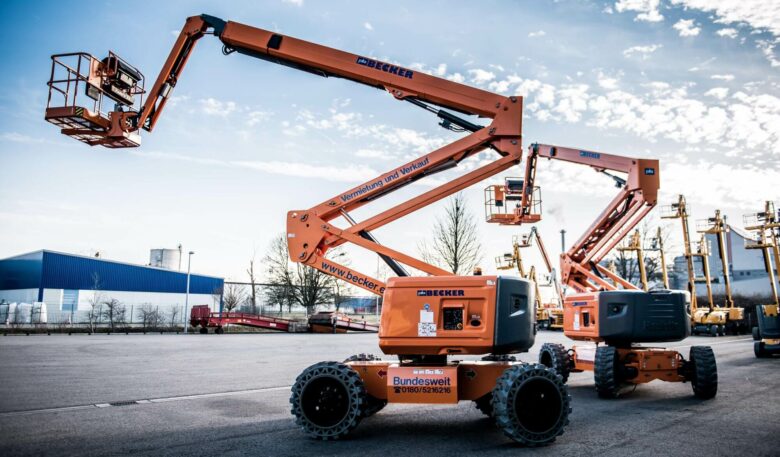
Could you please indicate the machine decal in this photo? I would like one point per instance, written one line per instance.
(347, 275)
(409, 384)
(590, 155)
(427, 325)
(441, 293)
(386, 179)
(386, 67)
(650, 171)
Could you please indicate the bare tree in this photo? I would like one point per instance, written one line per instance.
(252, 298)
(626, 261)
(114, 312)
(173, 322)
(233, 296)
(281, 295)
(150, 317)
(93, 315)
(297, 283)
(455, 244)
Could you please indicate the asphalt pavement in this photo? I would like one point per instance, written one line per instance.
(228, 395)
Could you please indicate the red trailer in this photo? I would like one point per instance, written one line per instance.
(202, 316)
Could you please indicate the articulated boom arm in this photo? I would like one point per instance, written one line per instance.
(529, 239)
(311, 232)
(580, 267)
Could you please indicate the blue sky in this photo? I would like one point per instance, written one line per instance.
(693, 83)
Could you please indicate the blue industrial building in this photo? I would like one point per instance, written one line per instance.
(71, 284)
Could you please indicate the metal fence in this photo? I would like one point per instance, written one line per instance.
(274, 300)
(269, 300)
(101, 316)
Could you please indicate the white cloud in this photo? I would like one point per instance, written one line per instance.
(749, 126)
(257, 117)
(686, 28)
(539, 33)
(647, 9)
(606, 82)
(728, 32)
(768, 49)
(480, 76)
(342, 173)
(214, 107)
(368, 26)
(20, 138)
(294, 2)
(374, 154)
(292, 130)
(456, 77)
(644, 51)
(709, 183)
(759, 14)
(717, 92)
(723, 77)
(440, 70)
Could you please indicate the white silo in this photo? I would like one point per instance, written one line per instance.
(39, 314)
(166, 258)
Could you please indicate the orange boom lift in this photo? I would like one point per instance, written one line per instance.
(598, 311)
(425, 320)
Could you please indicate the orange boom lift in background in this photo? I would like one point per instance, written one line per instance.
(424, 320)
(598, 311)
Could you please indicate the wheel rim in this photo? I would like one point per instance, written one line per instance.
(538, 405)
(325, 401)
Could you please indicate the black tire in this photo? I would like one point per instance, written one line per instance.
(556, 356)
(713, 330)
(722, 330)
(531, 404)
(544, 324)
(756, 334)
(328, 400)
(607, 372)
(219, 330)
(485, 404)
(203, 330)
(703, 372)
(373, 404)
(759, 349)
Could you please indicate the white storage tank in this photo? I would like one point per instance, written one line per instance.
(23, 314)
(6, 312)
(39, 313)
(166, 258)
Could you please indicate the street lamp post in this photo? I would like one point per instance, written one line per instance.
(187, 295)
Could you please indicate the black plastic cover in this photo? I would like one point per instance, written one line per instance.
(515, 315)
(635, 316)
(768, 326)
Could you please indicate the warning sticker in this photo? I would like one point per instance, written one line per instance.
(426, 316)
(426, 329)
(576, 323)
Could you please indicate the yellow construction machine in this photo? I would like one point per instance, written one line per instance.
(766, 224)
(706, 319)
(735, 315)
(634, 244)
(549, 313)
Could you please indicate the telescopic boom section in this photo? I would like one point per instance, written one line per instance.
(310, 232)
